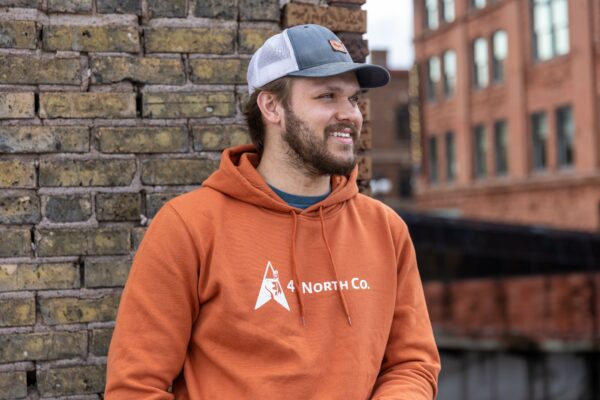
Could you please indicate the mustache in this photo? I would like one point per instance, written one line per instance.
(340, 126)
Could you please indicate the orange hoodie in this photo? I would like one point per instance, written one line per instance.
(233, 294)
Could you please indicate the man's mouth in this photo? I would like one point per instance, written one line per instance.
(343, 134)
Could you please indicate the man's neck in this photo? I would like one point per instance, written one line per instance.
(279, 172)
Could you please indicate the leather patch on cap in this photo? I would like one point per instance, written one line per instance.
(338, 46)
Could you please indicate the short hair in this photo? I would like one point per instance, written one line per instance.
(281, 89)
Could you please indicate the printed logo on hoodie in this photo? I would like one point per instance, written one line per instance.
(271, 289)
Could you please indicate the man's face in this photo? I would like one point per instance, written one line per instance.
(323, 123)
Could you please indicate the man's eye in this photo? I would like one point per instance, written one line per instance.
(326, 96)
(354, 99)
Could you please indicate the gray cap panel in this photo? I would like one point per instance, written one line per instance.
(311, 46)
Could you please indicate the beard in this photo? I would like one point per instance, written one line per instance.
(306, 150)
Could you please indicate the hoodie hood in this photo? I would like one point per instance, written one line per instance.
(237, 177)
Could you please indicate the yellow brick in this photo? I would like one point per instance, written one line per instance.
(166, 71)
(118, 207)
(16, 242)
(44, 139)
(92, 38)
(13, 385)
(259, 10)
(39, 70)
(106, 273)
(104, 172)
(65, 381)
(34, 277)
(219, 137)
(19, 311)
(188, 105)
(18, 34)
(338, 19)
(190, 40)
(16, 105)
(100, 341)
(69, 310)
(42, 346)
(177, 171)
(143, 139)
(23, 208)
(102, 241)
(251, 38)
(87, 105)
(215, 70)
(17, 174)
(70, 6)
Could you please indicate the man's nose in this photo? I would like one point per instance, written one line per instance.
(348, 111)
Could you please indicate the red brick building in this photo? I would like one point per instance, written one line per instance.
(509, 104)
(390, 151)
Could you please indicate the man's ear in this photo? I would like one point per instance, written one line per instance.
(270, 107)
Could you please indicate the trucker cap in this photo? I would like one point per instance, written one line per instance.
(309, 51)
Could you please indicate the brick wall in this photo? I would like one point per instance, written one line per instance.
(518, 313)
(107, 110)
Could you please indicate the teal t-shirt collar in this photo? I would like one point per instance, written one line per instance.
(301, 202)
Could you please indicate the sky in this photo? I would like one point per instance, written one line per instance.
(389, 26)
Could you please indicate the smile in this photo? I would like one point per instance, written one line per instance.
(341, 135)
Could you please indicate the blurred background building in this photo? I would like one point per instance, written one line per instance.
(504, 201)
(509, 100)
(391, 156)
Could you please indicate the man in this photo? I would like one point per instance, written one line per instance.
(276, 279)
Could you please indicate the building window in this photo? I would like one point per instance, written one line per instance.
(433, 77)
(448, 10)
(449, 59)
(405, 183)
(500, 148)
(478, 3)
(539, 134)
(431, 14)
(565, 131)
(480, 63)
(499, 54)
(450, 157)
(402, 122)
(480, 151)
(550, 28)
(433, 160)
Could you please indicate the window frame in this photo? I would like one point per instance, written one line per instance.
(449, 90)
(474, 5)
(501, 168)
(560, 138)
(444, 12)
(498, 64)
(433, 173)
(427, 15)
(432, 86)
(476, 68)
(450, 148)
(539, 158)
(480, 170)
(553, 31)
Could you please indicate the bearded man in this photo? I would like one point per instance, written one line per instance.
(277, 279)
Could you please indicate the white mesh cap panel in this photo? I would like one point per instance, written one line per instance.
(272, 61)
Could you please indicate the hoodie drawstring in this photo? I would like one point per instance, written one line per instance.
(342, 297)
(295, 269)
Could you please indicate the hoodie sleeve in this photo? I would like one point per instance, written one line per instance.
(156, 313)
(411, 362)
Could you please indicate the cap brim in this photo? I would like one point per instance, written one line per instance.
(368, 75)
